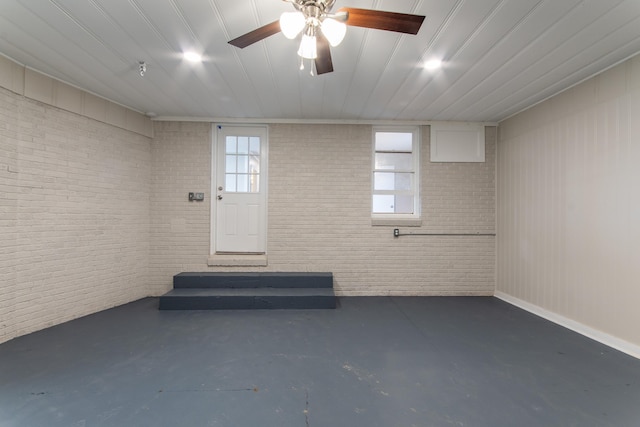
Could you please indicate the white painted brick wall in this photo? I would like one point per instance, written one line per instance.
(181, 157)
(74, 215)
(93, 215)
(319, 213)
(8, 211)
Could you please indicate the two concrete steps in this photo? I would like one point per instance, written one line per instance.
(249, 291)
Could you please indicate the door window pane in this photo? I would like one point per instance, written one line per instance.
(230, 182)
(254, 146)
(230, 146)
(230, 163)
(242, 164)
(242, 183)
(243, 145)
(254, 183)
(254, 164)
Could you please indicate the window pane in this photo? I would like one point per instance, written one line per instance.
(254, 164)
(403, 181)
(230, 182)
(230, 165)
(394, 161)
(383, 181)
(243, 145)
(392, 181)
(243, 164)
(404, 204)
(243, 183)
(395, 171)
(387, 203)
(231, 144)
(394, 141)
(254, 183)
(383, 203)
(254, 146)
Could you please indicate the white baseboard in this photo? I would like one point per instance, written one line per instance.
(602, 337)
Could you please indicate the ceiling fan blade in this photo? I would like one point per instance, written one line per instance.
(256, 35)
(323, 61)
(379, 20)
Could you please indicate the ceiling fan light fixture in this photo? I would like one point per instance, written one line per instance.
(308, 47)
(291, 23)
(333, 30)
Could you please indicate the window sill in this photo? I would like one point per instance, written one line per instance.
(237, 260)
(405, 222)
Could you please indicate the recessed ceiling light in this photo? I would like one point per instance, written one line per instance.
(191, 56)
(432, 64)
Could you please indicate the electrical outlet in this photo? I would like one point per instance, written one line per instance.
(191, 196)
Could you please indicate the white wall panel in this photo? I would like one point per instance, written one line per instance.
(568, 204)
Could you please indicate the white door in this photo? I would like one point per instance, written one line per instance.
(240, 192)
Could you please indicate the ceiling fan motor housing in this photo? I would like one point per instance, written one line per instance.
(315, 7)
(314, 11)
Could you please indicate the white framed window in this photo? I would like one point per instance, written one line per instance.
(395, 178)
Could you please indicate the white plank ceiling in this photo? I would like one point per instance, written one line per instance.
(500, 56)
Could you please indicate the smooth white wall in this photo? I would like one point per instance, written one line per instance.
(569, 204)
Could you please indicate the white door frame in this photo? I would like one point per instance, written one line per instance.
(215, 184)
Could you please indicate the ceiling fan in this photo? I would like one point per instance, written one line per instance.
(322, 29)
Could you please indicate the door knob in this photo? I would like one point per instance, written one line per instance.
(219, 197)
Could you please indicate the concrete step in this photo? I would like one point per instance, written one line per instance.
(248, 298)
(252, 280)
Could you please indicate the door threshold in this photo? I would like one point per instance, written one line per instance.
(237, 260)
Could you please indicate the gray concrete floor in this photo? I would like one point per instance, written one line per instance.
(371, 362)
